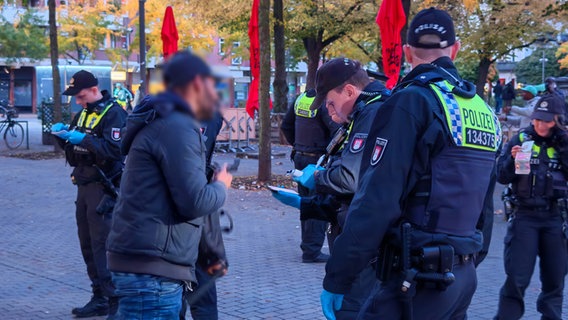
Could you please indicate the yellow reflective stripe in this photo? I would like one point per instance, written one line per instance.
(92, 120)
(550, 151)
(302, 106)
(471, 122)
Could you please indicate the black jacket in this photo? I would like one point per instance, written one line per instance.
(102, 144)
(164, 192)
(308, 134)
(405, 133)
(211, 245)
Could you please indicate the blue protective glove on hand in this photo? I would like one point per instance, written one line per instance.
(308, 178)
(330, 302)
(288, 198)
(59, 127)
(75, 137)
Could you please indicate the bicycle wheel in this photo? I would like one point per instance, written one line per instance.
(14, 135)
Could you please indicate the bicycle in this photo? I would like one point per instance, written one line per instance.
(13, 131)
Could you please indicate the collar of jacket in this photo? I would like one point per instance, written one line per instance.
(437, 66)
(100, 105)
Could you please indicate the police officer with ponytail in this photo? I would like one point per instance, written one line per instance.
(425, 173)
(535, 163)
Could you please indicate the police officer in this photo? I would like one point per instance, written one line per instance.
(353, 102)
(122, 95)
(92, 146)
(537, 226)
(431, 149)
(309, 131)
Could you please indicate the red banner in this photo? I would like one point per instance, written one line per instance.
(170, 35)
(391, 19)
(252, 102)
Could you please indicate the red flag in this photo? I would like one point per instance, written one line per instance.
(252, 102)
(170, 35)
(391, 19)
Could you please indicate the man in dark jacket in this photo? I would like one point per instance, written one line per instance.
(497, 94)
(508, 94)
(154, 239)
(309, 131)
(92, 146)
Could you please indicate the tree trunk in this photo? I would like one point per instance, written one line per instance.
(313, 48)
(280, 84)
(264, 152)
(54, 54)
(484, 65)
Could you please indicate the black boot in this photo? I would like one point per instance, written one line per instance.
(112, 308)
(97, 306)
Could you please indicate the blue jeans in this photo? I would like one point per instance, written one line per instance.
(147, 297)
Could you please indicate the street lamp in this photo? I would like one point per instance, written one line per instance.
(543, 60)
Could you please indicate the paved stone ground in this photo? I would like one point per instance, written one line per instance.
(43, 276)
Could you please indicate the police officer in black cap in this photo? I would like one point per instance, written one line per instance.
(426, 170)
(352, 101)
(535, 162)
(309, 131)
(92, 146)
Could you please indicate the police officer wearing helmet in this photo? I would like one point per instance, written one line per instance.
(537, 226)
(352, 101)
(92, 146)
(309, 131)
(431, 149)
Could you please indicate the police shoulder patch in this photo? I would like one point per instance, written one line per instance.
(358, 142)
(115, 134)
(378, 150)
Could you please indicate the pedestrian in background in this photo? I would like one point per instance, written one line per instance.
(156, 230)
(309, 132)
(520, 116)
(537, 226)
(497, 94)
(508, 94)
(92, 146)
(418, 170)
(122, 96)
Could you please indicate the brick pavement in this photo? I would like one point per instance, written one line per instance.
(43, 275)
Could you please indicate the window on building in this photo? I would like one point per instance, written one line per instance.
(221, 46)
(235, 60)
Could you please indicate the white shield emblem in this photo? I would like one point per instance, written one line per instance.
(358, 142)
(115, 134)
(378, 150)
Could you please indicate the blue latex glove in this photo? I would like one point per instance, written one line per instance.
(288, 198)
(308, 179)
(330, 302)
(75, 137)
(59, 127)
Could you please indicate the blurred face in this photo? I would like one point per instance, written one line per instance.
(543, 128)
(527, 95)
(89, 95)
(340, 103)
(202, 97)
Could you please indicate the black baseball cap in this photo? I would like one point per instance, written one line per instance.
(547, 107)
(331, 75)
(431, 21)
(80, 80)
(183, 67)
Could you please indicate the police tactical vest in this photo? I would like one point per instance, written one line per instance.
(545, 183)
(302, 106)
(87, 123)
(450, 199)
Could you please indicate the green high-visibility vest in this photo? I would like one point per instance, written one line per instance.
(92, 120)
(302, 106)
(471, 122)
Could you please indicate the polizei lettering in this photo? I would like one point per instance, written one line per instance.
(477, 119)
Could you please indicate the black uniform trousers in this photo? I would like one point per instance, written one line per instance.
(530, 234)
(313, 231)
(363, 285)
(93, 231)
(428, 303)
